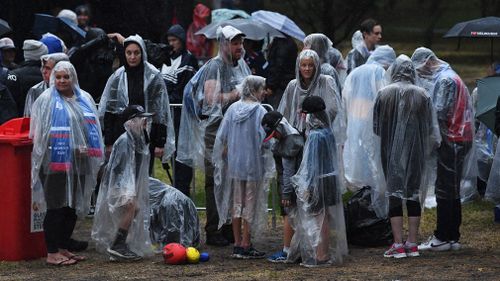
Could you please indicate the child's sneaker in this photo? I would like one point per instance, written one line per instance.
(411, 249)
(455, 245)
(395, 252)
(434, 244)
(238, 253)
(252, 253)
(280, 256)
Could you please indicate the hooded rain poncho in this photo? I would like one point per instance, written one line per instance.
(455, 115)
(318, 219)
(125, 183)
(362, 148)
(243, 164)
(402, 118)
(115, 96)
(206, 98)
(67, 144)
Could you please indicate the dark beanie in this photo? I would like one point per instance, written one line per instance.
(313, 104)
(177, 31)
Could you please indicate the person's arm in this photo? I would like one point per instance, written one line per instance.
(497, 117)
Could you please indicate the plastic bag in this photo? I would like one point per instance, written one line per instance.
(363, 227)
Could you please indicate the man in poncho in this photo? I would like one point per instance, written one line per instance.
(455, 116)
(402, 118)
(121, 222)
(371, 33)
(362, 148)
(206, 98)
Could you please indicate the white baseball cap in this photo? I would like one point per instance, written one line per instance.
(6, 43)
(230, 32)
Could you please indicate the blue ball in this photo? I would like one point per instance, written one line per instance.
(204, 257)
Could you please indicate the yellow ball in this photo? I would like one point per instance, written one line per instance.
(192, 255)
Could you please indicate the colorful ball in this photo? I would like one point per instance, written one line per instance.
(174, 253)
(192, 255)
(204, 257)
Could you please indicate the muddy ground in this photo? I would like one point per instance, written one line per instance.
(478, 260)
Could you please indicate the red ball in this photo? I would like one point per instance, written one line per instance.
(174, 253)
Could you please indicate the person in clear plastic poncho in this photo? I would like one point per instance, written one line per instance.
(402, 118)
(48, 63)
(337, 60)
(320, 237)
(174, 218)
(121, 221)
(362, 148)
(364, 42)
(321, 44)
(308, 82)
(455, 116)
(67, 154)
(138, 82)
(243, 168)
(206, 98)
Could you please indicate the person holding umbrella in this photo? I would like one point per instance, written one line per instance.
(455, 116)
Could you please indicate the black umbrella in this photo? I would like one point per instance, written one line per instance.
(46, 23)
(4, 27)
(488, 27)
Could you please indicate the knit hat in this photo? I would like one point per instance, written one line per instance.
(177, 31)
(313, 104)
(53, 43)
(34, 49)
(6, 43)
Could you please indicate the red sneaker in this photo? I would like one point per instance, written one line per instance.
(395, 252)
(411, 249)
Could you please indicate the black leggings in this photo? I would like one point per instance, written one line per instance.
(396, 207)
(58, 226)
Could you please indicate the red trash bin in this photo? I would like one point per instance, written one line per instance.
(17, 241)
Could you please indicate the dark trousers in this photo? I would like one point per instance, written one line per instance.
(449, 219)
(449, 173)
(212, 216)
(58, 226)
(183, 174)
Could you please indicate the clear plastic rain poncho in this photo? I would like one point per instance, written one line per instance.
(493, 187)
(455, 115)
(362, 148)
(67, 144)
(337, 60)
(295, 93)
(35, 91)
(359, 53)
(115, 96)
(318, 219)
(243, 164)
(322, 45)
(125, 184)
(402, 118)
(206, 98)
(174, 218)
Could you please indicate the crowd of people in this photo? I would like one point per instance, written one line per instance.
(321, 124)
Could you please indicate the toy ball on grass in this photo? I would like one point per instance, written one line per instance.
(174, 253)
(204, 257)
(192, 255)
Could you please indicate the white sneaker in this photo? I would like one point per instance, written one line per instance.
(434, 244)
(455, 245)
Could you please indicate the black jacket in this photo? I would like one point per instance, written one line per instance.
(281, 67)
(20, 80)
(176, 83)
(7, 105)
